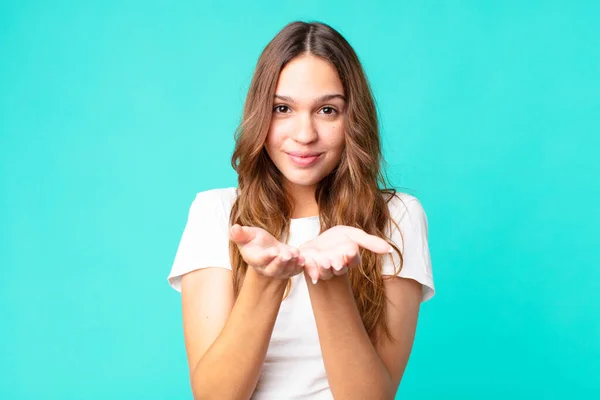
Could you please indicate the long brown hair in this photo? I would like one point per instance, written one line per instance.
(352, 194)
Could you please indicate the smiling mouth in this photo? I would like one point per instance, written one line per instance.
(304, 160)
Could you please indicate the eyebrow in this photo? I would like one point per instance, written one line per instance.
(317, 100)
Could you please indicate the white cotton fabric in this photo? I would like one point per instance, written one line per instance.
(293, 367)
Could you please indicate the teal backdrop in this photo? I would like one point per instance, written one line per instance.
(114, 114)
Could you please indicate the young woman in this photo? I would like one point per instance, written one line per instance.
(305, 281)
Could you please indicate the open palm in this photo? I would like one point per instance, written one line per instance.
(337, 249)
(267, 255)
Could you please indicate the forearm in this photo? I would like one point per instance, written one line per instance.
(354, 369)
(230, 368)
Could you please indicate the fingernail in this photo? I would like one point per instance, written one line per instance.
(314, 281)
(391, 250)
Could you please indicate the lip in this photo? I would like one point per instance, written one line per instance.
(303, 153)
(304, 158)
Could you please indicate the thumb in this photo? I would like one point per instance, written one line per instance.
(240, 234)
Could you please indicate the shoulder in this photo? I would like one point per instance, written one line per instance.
(218, 194)
(205, 239)
(222, 198)
(213, 205)
(402, 205)
(408, 229)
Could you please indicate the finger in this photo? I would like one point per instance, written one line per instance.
(241, 235)
(325, 273)
(351, 255)
(324, 266)
(277, 266)
(293, 251)
(264, 258)
(293, 266)
(322, 261)
(285, 255)
(339, 266)
(337, 263)
(272, 252)
(314, 274)
(295, 256)
(369, 242)
(298, 261)
(312, 269)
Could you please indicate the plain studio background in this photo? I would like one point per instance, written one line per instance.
(113, 114)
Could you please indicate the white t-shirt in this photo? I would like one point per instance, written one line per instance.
(293, 367)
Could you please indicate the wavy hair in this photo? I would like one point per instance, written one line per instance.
(352, 194)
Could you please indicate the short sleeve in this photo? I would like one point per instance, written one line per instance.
(205, 240)
(410, 216)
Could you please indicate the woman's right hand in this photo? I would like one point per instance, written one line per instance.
(267, 255)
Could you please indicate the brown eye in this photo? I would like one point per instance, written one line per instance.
(331, 110)
(279, 109)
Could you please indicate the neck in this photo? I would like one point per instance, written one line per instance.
(305, 204)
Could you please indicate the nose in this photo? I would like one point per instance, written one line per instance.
(305, 131)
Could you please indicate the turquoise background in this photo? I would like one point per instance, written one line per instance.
(113, 114)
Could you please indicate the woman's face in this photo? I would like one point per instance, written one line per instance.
(306, 136)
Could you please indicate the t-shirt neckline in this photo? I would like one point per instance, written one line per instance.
(304, 219)
(312, 216)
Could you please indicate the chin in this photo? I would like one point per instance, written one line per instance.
(303, 182)
(296, 180)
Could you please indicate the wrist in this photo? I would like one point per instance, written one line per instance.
(265, 282)
(326, 284)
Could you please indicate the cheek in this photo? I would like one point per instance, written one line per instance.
(276, 133)
(272, 139)
(336, 137)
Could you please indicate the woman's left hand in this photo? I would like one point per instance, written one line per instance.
(337, 249)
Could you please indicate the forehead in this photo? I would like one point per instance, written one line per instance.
(307, 77)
